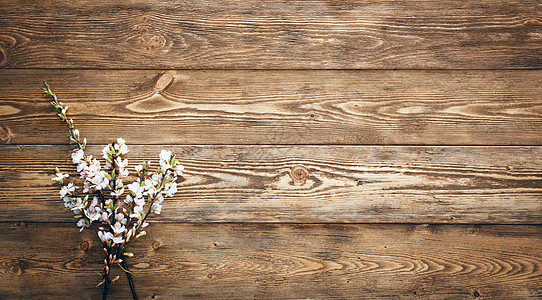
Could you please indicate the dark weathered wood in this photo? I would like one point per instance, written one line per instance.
(271, 34)
(247, 261)
(277, 107)
(308, 184)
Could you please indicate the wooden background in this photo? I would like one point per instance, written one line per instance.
(333, 149)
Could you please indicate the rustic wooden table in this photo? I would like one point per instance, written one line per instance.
(333, 149)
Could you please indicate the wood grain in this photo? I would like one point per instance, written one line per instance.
(315, 34)
(247, 261)
(308, 184)
(277, 107)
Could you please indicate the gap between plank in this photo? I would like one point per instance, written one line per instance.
(271, 69)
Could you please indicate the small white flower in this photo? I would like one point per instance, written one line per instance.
(105, 155)
(121, 218)
(165, 155)
(117, 193)
(139, 201)
(82, 166)
(118, 240)
(60, 177)
(121, 163)
(118, 228)
(78, 205)
(68, 202)
(81, 223)
(179, 169)
(104, 216)
(156, 178)
(105, 236)
(67, 189)
(138, 168)
(86, 187)
(78, 156)
(100, 181)
(138, 209)
(119, 183)
(157, 208)
(123, 173)
(93, 214)
(159, 198)
(171, 189)
(129, 199)
(136, 189)
(148, 185)
(121, 147)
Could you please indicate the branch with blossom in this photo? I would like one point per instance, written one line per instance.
(116, 211)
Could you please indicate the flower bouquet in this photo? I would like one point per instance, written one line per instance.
(117, 212)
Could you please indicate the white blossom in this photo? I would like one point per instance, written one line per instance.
(121, 147)
(165, 155)
(139, 201)
(170, 189)
(179, 169)
(118, 240)
(121, 163)
(121, 218)
(82, 223)
(60, 177)
(105, 155)
(81, 167)
(67, 189)
(117, 193)
(119, 183)
(159, 198)
(157, 208)
(118, 228)
(78, 205)
(78, 156)
(86, 187)
(104, 217)
(105, 236)
(136, 189)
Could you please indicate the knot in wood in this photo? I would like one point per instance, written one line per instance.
(2, 57)
(4, 135)
(155, 245)
(163, 81)
(299, 174)
(84, 246)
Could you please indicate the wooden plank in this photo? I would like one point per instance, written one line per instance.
(277, 107)
(319, 34)
(308, 184)
(247, 261)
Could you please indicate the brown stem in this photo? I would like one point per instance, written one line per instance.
(130, 279)
(71, 129)
(106, 278)
(65, 120)
(106, 288)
